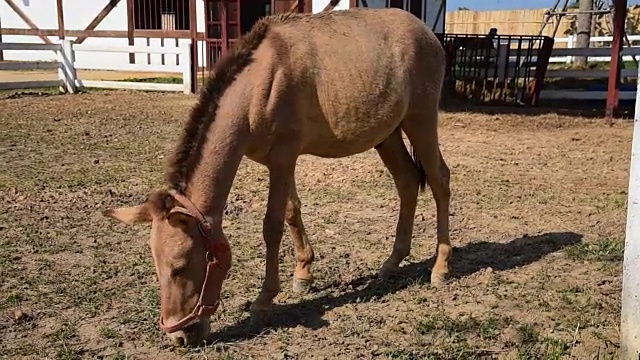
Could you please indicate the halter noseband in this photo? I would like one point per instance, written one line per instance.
(214, 248)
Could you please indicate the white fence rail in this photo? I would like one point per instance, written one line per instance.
(64, 64)
(594, 54)
(67, 75)
(68, 79)
(508, 65)
(607, 40)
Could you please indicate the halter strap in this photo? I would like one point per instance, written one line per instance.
(213, 248)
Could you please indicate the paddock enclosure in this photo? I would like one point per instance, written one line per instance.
(538, 216)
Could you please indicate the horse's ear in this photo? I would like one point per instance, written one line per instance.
(180, 217)
(130, 215)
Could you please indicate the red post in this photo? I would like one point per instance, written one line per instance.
(193, 28)
(613, 91)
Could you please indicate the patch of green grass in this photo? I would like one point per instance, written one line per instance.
(528, 333)
(66, 332)
(401, 354)
(62, 339)
(603, 249)
(611, 200)
(457, 328)
(156, 80)
(44, 91)
(108, 333)
(143, 317)
(535, 346)
(13, 299)
(363, 324)
(120, 355)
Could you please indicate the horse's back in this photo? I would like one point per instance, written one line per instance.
(356, 73)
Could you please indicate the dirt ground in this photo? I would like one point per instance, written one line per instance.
(538, 216)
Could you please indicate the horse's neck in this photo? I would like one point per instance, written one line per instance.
(221, 156)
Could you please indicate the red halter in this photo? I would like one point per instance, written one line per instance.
(214, 248)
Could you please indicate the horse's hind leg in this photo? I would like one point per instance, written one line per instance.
(406, 177)
(422, 132)
(302, 277)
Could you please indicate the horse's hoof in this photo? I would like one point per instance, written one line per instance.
(439, 279)
(259, 315)
(388, 271)
(301, 286)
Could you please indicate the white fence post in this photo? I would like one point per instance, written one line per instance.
(67, 71)
(569, 59)
(630, 317)
(187, 68)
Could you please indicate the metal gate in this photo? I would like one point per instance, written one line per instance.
(495, 69)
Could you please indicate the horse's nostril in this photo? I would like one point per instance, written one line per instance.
(180, 340)
(191, 329)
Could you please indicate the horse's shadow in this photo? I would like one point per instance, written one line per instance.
(468, 259)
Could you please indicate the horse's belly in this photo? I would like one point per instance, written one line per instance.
(352, 126)
(345, 140)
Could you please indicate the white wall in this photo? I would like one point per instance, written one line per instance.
(79, 13)
(433, 6)
(77, 16)
(318, 5)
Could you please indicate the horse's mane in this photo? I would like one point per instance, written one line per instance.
(188, 153)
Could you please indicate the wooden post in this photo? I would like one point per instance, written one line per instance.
(613, 91)
(187, 68)
(130, 29)
(583, 25)
(97, 20)
(630, 317)
(1, 51)
(224, 22)
(27, 20)
(67, 71)
(332, 4)
(193, 27)
(60, 20)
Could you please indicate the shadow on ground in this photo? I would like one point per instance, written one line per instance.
(590, 109)
(468, 260)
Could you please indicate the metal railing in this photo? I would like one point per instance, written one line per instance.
(500, 69)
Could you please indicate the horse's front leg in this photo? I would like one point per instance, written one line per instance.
(280, 181)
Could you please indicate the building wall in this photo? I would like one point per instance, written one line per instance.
(77, 15)
(433, 8)
(318, 5)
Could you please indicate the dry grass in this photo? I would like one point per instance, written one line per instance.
(538, 213)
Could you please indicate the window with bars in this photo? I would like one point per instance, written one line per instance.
(167, 15)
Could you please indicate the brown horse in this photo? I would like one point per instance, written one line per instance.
(332, 85)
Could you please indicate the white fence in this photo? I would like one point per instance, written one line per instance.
(68, 79)
(594, 54)
(64, 64)
(571, 41)
(67, 75)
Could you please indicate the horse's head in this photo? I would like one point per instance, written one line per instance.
(191, 262)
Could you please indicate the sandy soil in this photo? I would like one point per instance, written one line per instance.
(538, 214)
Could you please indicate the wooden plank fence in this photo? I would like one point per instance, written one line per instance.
(67, 67)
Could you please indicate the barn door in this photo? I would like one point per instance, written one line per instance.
(222, 22)
(226, 20)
